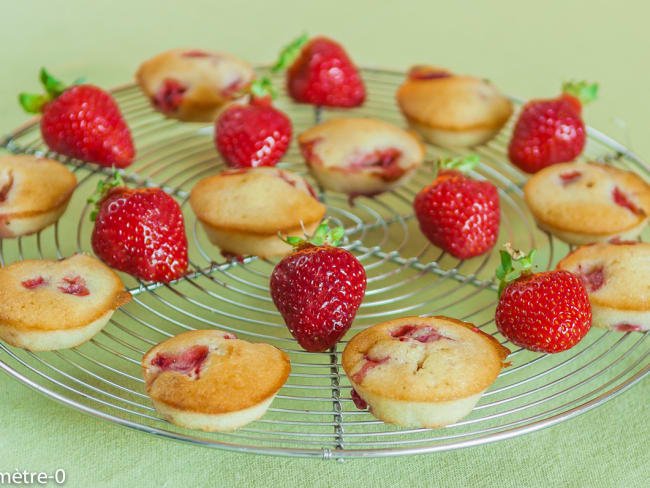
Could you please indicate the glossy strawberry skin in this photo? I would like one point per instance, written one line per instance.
(544, 312)
(84, 122)
(459, 214)
(318, 290)
(547, 132)
(141, 232)
(248, 136)
(324, 75)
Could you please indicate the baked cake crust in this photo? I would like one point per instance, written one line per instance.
(204, 79)
(450, 109)
(34, 193)
(585, 202)
(235, 375)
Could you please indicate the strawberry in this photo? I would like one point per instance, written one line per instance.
(81, 121)
(323, 74)
(318, 289)
(457, 213)
(545, 312)
(139, 231)
(551, 131)
(256, 134)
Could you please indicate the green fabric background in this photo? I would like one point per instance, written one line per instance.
(526, 48)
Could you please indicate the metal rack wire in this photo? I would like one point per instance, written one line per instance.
(313, 415)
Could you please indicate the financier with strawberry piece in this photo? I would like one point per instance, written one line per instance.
(81, 121)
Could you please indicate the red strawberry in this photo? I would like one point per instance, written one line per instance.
(544, 312)
(82, 122)
(253, 135)
(139, 231)
(318, 289)
(458, 214)
(324, 75)
(551, 131)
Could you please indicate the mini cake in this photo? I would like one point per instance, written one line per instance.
(49, 305)
(244, 210)
(422, 372)
(588, 202)
(360, 156)
(34, 193)
(617, 279)
(212, 381)
(193, 84)
(452, 110)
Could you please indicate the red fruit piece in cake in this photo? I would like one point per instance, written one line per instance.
(544, 312)
(34, 193)
(318, 289)
(423, 334)
(551, 131)
(324, 75)
(139, 231)
(188, 362)
(421, 383)
(252, 135)
(208, 380)
(447, 109)
(193, 84)
(616, 278)
(457, 213)
(74, 285)
(81, 121)
(49, 305)
(360, 156)
(582, 203)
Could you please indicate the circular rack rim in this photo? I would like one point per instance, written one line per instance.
(326, 452)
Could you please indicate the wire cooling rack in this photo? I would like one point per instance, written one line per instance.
(313, 415)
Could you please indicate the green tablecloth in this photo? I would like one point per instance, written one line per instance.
(526, 49)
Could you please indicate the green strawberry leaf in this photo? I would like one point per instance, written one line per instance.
(507, 272)
(32, 103)
(103, 186)
(289, 53)
(464, 165)
(583, 91)
(323, 236)
(263, 87)
(53, 87)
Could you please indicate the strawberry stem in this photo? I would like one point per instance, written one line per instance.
(289, 53)
(323, 236)
(583, 91)
(103, 186)
(464, 165)
(506, 272)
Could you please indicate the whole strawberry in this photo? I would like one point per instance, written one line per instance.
(252, 135)
(81, 121)
(551, 131)
(457, 213)
(324, 75)
(545, 312)
(139, 231)
(318, 289)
